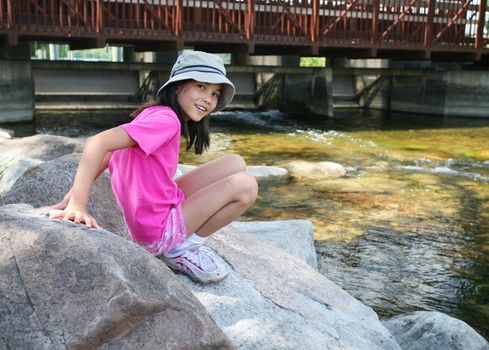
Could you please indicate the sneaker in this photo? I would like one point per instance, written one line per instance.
(199, 264)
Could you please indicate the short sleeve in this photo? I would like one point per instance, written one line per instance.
(153, 129)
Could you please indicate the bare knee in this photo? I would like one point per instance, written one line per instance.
(236, 162)
(244, 188)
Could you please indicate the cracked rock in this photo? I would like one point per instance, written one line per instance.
(66, 286)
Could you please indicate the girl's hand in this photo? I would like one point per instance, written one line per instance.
(63, 204)
(78, 216)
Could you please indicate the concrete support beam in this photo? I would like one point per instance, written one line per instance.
(446, 93)
(16, 91)
(466, 93)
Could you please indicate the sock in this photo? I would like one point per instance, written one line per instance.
(192, 240)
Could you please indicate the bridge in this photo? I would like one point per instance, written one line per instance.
(406, 29)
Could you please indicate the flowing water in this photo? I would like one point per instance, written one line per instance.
(406, 229)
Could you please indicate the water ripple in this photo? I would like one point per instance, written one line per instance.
(455, 167)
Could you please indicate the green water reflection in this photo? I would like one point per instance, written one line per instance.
(406, 229)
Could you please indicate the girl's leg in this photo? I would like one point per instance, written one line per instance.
(218, 204)
(212, 202)
(209, 173)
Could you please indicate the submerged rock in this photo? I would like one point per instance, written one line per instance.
(434, 330)
(66, 286)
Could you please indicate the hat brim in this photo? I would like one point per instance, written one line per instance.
(227, 88)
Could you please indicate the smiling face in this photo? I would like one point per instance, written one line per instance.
(197, 99)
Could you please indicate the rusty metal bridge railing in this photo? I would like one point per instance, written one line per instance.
(353, 28)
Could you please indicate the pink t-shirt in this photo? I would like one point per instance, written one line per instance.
(142, 176)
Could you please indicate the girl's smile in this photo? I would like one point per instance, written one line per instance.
(197, 99)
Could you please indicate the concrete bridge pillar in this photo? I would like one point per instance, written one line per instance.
(16, 85)
(16, 91)
(308, 93)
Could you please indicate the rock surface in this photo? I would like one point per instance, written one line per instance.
(48, 182)
(41, 146)
(65, 286)
(294, 236)
(274, 300)
(14, 169)
(306, 170)
(434, 330)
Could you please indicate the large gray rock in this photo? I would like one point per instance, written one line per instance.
(66, 286)
(13, 169)
(48, 182)
(434, 330)
(41, 146)
(274, 300)
(294, 236)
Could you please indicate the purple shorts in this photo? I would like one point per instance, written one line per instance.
(174, 233)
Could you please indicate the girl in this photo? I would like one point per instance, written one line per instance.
(142, 157)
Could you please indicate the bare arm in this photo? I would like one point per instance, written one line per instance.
(95, 159)
(62, 205)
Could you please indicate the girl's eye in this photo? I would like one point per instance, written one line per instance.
(200, 86)
(216, 94)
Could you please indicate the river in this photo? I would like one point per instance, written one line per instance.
(406, 229)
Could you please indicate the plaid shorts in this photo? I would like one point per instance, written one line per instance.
(174, 233)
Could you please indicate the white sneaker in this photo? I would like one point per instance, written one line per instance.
(199, 263)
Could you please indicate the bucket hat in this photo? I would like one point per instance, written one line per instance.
(203, 67)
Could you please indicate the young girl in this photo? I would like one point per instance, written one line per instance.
(170, 218)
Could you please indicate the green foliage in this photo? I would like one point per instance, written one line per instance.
(313, 62)
(63, 52)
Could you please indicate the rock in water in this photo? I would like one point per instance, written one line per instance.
(314, 171)
(66, 286)
(434, 330)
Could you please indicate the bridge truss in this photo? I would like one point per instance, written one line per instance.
(409, 29)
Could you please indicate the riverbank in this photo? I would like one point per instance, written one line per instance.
(404, 230)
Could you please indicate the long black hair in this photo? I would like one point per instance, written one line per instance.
(196, 133)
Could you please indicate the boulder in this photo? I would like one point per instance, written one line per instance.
(48, 182)
(13, 169)
(294, 236)
(314, 171)
(434, 330)
(274, 300)
(41, 146)
(66, 286)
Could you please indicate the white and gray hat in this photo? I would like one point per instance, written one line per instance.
(203, 67)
